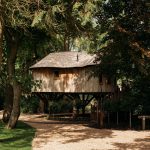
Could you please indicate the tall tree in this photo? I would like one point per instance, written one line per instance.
(127, 28)
(18, 18)
(126, 49)
(70, 20)
(61, 21)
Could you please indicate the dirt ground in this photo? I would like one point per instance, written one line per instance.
(62, 135)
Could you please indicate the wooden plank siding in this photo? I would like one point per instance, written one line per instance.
(69, 80)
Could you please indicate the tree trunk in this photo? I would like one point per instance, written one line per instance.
(66, 43)
(108, 118)
(101, 118)
(16, 106)
(41, 106)
(130, 119)
(13, 41)
(83, 110)
(75, 112)
(13, 46)
(9, 95)
(75, 109)
(117, 118)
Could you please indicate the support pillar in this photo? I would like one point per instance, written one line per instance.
(117, 118)
(130, 120)
(143, 123)
(100, 113)
(41, 106)
(75, 109)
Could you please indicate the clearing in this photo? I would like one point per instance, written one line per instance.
(67, 135)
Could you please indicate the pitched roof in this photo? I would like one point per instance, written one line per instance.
(69, 59)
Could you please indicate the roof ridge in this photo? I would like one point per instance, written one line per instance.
(67, 59)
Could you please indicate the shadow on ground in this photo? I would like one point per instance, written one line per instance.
(70, 131)
(138, 144)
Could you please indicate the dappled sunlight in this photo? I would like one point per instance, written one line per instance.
(139, 143)
(66, 135)
(132, 142)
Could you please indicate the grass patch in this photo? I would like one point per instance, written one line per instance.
(19, 138)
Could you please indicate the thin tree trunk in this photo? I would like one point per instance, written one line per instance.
(101, 118)
(16, 106)
(41, 106)
(108, 118)
(130, 119)
(117, 118)
(75, 109)
(83, 110)
(66, 43)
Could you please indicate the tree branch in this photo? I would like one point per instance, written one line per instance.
(136, 45)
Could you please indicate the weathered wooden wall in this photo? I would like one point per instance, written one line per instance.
(70, 80)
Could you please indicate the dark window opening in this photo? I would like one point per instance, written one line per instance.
(56, 73)
(101, 78)
(108, 80)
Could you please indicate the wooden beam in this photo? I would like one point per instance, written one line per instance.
(69, 96)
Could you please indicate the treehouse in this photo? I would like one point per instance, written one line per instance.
(70, 74)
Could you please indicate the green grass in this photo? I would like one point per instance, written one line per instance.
(19, 138)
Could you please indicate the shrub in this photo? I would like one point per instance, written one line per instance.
(29, 104)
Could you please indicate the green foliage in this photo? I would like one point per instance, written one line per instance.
(140, 94)
(54, 107)
(127, 35)
(135, 98)
(112, 106)
(19, 138)
(1, 102)
(69, 21)
(117, 30)
(125, 27)
(61, 106)
(29, 104)
(37, 17)
(18, 14)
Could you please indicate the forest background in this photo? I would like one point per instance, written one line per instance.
(118, 31)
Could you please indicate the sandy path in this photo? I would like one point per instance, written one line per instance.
(57, 135)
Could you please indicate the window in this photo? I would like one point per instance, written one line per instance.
(101, 78)
(56, 73)
(108, 80)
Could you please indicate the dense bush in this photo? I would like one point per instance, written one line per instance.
(1, 98)
(29, 104)
(110, 105)
(61, 106)
(1, 103)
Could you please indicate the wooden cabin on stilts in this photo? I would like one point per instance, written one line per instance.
(71, 74)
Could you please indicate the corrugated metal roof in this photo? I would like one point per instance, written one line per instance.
(69, 59)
